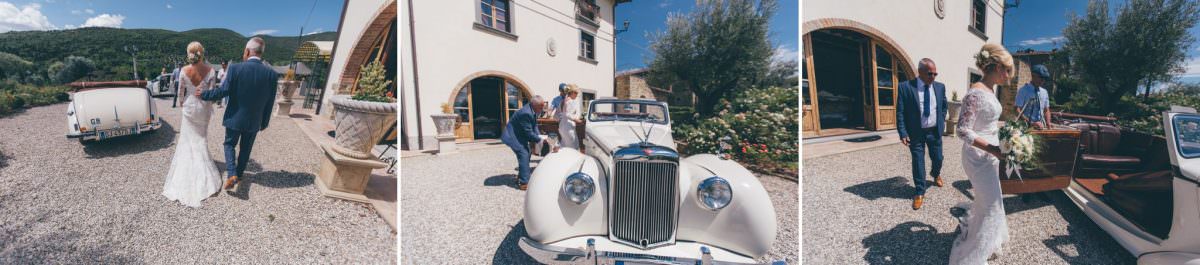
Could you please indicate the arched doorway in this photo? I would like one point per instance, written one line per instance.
(484, 102)
(850, 75)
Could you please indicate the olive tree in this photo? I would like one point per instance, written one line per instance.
(716, 50)
(1145, 41)
(73, 68)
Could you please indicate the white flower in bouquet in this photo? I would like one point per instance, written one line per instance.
(1018, 147)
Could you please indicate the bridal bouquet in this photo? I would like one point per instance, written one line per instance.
(1019, 147)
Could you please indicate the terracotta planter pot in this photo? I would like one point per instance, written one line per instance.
(360, 125)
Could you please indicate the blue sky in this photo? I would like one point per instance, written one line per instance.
(649, 16)
(280, 18)
(1039, 24)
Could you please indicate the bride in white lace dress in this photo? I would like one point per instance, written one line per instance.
(193, 176)
(983, 229)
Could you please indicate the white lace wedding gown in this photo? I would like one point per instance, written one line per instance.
(567, 138)
(985, 228)
(193, 176)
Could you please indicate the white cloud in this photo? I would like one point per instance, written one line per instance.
(104, 20)
(169, 6)
(27, 17)
(1042, 40)
(783, 54)
(315, 31)
(1191, 68)
(69, 26)
(664, 4)
(264, 32)
(80, 12)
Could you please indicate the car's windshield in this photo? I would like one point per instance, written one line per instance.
(1187, 135)
(628, 111)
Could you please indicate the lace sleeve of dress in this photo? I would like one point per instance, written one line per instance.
(966, 117)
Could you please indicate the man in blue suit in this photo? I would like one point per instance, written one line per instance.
(250, 86)
(520, 131)
(920, 120)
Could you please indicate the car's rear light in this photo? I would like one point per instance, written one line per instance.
(82, 128)
(148, 120)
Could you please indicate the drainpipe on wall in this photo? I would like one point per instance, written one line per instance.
(412, 39)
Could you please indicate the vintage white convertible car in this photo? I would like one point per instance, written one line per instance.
(1142, 189)
(103, 110)
(161, 86)
(629, 197)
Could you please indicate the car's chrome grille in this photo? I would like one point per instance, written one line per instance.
(644, 196)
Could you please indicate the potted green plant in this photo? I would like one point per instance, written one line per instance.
(952, 106)
(445, 123)
(445, 120)
(286, 88)
(361, 120)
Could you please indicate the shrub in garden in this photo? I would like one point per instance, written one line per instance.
(1136, 112)
(761, 123)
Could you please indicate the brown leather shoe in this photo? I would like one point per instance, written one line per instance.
(523, 186)
(917, 201)
(937, 181)
(229, 183)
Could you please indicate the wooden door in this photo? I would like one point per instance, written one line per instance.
(810, 122)
(464, 128)
(884, 86)
(513, 100)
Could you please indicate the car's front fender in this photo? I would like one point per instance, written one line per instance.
(548, 216)
(747, 225)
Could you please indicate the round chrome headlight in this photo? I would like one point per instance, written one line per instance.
(714, 193)
(578, 188)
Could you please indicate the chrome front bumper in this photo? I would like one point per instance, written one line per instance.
(551, 254)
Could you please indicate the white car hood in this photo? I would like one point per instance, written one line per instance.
(613, 135)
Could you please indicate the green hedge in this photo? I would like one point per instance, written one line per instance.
(15, 96)
(1139, 113)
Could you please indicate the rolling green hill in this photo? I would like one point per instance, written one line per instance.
(157, 48)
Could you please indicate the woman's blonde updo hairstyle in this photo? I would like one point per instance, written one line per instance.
(195, 52)
(993, 55)
(571, 88)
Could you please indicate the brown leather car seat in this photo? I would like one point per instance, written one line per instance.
(1143, 198)
(1101, 153)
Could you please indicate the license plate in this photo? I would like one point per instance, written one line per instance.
(115, 133)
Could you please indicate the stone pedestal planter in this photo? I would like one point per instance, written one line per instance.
(285, 108)
(952, 116)
(445, 128)
(286, 89)
(348, 163)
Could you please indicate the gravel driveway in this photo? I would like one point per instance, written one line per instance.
(465, 209)
(857, 209)
(63, 202)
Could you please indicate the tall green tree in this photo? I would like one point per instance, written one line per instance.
(12, 65)
(74, 68)
(1144, 41)
(717, 49)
